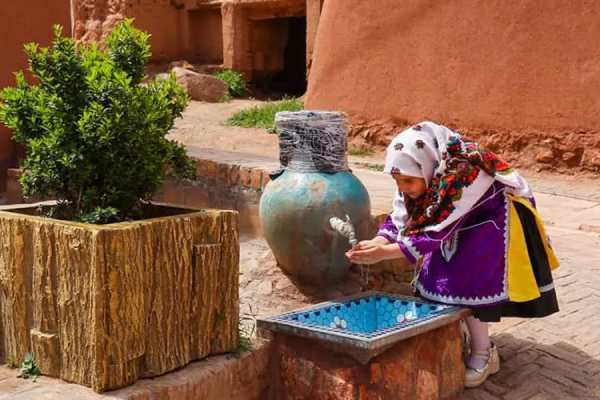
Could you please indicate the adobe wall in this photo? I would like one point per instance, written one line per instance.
(206, 36)
(521, 76)
(20, 23)
(269, 39)
(255, 33)
(94, 19)
(245, 35)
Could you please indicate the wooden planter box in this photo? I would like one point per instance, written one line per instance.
(106, 305)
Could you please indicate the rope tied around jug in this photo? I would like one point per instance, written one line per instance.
(313, 141)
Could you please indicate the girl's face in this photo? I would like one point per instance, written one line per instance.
(411, 186)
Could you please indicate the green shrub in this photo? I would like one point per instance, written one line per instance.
(360, 151)
(95, 136)
(235, 80)
(264, 116)
(372, 167)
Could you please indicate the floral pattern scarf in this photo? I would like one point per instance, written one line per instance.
(457, 174)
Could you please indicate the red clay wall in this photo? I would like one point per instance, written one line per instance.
(269, 38)
(164, 22)
(20, 23)
(521, 76)
(162, 18)
(206, 36)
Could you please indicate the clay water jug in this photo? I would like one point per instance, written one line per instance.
(313, 185)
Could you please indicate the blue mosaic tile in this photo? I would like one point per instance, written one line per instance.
(367, 317)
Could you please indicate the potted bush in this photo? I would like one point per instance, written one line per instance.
(104, 286)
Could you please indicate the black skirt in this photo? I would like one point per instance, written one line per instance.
(544, 305)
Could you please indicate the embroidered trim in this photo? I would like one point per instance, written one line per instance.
(546, 288)
(449, 247)
(411, 248)
(470, 301)
(506, 243)
(388, 232)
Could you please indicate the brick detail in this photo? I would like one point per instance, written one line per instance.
(223, 174)
(173, 194)
(234, 175)
(266, 178)
(211, 170)
(256, 179)
(14, 191)
(196, 196)
(201, 168)
(14, 173)
(245, 176)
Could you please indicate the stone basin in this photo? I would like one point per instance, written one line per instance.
(372, 345)
(364, 325)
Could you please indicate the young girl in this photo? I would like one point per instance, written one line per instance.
(471, 219)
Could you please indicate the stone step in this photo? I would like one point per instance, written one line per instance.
(221, 377)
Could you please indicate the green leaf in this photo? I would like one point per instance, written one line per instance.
(95, 136)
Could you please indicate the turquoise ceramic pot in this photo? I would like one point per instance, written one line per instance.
(295, 210)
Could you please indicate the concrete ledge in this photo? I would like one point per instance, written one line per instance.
(244, 378)
(223, 185)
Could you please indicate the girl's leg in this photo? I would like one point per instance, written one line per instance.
(480, 340)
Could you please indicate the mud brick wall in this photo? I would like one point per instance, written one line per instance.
(521, 77)
(23, 22)
(223, 186)
(14, 191)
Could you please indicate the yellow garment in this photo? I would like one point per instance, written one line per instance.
(522, 285)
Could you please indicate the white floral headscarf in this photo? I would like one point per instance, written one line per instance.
(457, 174)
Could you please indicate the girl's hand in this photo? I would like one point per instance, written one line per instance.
(368, 244)
(372, 253)
(368, 253)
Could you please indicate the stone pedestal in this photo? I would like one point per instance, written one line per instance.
(106, 305)
(426, 366)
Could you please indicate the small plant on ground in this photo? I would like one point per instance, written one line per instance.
(235, 81)
(361, 151)
(95, 135)
(372, 167)
(247, 330)
(28, 368)
(264, 116)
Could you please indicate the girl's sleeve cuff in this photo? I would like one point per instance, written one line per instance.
(388, 237)
(410, 252)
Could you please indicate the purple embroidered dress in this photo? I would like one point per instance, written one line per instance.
(473, 224)
(466, 263)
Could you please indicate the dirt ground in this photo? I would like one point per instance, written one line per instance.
(266, 290)
(202, 126)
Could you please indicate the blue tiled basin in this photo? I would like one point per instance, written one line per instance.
(365, 325)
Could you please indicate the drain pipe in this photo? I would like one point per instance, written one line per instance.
(72, 11)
